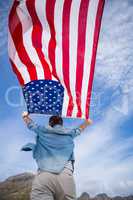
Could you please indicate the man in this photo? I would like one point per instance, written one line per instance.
(53, 153)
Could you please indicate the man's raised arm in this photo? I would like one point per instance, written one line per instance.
(30, 123)
(85, 124)
(77, 131)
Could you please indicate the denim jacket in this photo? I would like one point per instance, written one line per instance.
(53, 148)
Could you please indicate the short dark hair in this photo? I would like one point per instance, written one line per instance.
(55, 120)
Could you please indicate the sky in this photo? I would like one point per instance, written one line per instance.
(104, 152)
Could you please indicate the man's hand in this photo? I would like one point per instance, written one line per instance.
(26, 117)
(25, 114)
(85, 124)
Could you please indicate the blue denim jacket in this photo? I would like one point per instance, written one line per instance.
(53, 148)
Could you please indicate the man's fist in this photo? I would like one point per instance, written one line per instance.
(25, 114)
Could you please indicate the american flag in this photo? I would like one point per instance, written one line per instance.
(55, 41)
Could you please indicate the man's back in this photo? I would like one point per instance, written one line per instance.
(54, 146)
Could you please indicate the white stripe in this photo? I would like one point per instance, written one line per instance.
(73, 51)
(40, 7)
(16, 60)
(27, 27)
(93, 5)
(58, 50)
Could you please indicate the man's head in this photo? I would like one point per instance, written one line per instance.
(55, 120)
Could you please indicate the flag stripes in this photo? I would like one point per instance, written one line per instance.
(57, 40)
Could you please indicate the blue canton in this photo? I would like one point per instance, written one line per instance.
(44, 97)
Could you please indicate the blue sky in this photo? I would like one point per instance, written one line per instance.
(104, 153)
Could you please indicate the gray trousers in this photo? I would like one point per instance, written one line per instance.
(49, 186)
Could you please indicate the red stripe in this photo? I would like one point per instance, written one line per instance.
(50, 6)
(17, 35)
(95, 43)
(81, 51)
(18, 74)
(37, 37)
(65, 51)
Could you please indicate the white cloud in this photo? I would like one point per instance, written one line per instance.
(13, 135)
(114, 57)
(104, 159)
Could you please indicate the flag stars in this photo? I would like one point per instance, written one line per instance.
(43, 96)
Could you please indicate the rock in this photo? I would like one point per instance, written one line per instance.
(16, 187)
(102, 196)
(84, 196)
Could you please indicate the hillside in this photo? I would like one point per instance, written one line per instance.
(18, 188)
